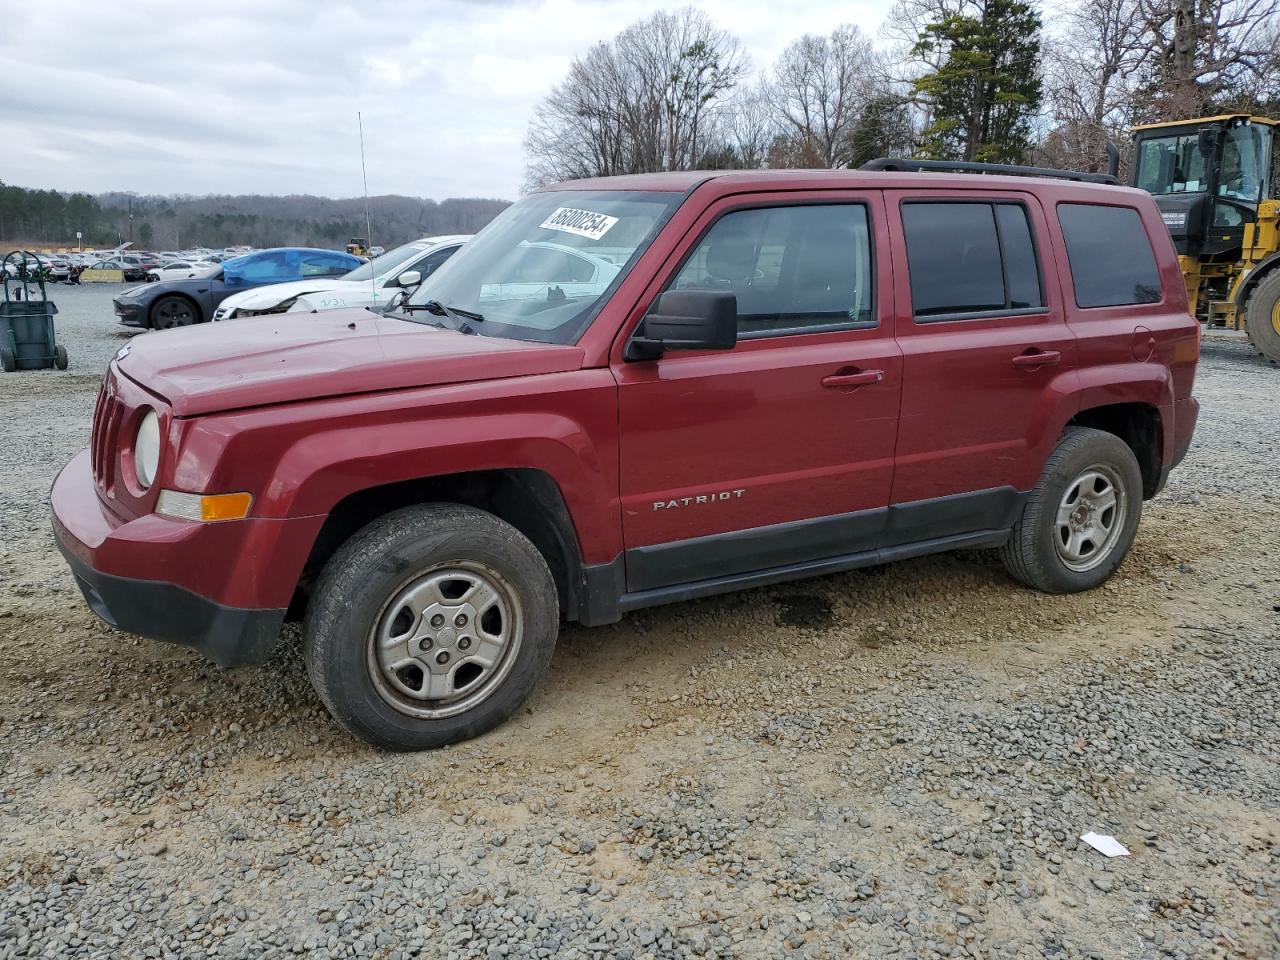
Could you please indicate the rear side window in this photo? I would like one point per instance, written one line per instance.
(969, 258)
(1112, 263)
(792, 269)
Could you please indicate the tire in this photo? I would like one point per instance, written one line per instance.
(169, 313)
(7, 360)
(1049, 548)
(371, 656)
(153, 278)
(60, 356)
(1262, 318)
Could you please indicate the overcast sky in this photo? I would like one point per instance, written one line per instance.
(260, 96)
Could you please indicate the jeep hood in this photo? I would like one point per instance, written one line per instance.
(266, 360)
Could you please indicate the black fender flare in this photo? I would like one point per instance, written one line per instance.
(1256, 275)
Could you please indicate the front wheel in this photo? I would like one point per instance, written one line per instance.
(431, 625)
(60, 359)
(1262, 318)
(170, 313)
(7, 360)
(1080, 520)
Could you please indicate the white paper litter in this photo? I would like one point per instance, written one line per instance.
(1107, 846)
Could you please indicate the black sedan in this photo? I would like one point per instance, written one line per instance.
(180, 303)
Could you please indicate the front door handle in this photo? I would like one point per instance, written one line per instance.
(1038, 358)
(859, 378)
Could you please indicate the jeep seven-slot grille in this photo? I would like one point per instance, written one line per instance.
(106, 425)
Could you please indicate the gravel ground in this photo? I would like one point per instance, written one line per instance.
(893, 762)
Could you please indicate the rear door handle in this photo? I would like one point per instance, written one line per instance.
(858, 379)
(1039, 358)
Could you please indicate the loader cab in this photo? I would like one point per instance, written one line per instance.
(1208, 176)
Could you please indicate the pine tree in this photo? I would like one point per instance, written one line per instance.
(983, 95)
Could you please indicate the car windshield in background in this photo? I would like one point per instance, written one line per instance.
(538, 271)
(388, 262)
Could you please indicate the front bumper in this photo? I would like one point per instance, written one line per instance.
(130, 314)
(228, 636)
(222, 588)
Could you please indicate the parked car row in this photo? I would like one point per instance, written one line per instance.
(122, 265)
(184, 300)
(375, 284)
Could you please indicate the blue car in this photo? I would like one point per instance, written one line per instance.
(180, 303)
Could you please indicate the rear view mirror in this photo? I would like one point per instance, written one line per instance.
(410, 278)
(686, 320)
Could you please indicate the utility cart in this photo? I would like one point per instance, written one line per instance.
(27, 340)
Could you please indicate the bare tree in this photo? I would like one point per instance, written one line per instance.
(645, 101)
(905, 23)
(1092, 74)
(750, 124)
(819, 86)
(1204, 50)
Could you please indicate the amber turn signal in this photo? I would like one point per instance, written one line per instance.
(205, 508)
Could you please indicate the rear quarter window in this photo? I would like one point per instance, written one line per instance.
(1112, 263)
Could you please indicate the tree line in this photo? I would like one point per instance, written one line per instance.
(47, 217)
(985, 80)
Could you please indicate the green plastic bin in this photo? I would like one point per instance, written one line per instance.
(27, 340)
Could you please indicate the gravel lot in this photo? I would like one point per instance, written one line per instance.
(893, 762)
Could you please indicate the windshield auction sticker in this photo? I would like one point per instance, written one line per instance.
(583, 223)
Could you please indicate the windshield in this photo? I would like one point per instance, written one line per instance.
(388, 262)
(1171, 165)
(538, 271)
(1174, 164)
(1245, 161)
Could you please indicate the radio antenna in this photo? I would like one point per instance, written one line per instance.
(368, 230)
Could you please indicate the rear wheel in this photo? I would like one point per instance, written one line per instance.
(60, 356)
(1262, 318)
(7, 360)
(429, 626)
(1080, 520)
(171, 312)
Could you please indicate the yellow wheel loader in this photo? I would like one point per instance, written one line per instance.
(1214, 180)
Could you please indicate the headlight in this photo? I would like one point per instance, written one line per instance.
(146, 449)
(281, 307)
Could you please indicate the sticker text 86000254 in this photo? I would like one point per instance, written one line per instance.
(583, 223)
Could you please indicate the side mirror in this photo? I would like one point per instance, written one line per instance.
(1207, 141)
(686, 320)
(410, 278)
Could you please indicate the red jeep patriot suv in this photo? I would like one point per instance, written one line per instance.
(632, 391)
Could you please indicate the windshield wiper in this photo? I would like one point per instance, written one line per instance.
(440, 310)
(458, 316)
(459, 312)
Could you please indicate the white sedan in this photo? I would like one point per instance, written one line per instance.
(532, 269)
(374, 284)
(181, 270)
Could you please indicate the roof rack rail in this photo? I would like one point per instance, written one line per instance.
(903, 164)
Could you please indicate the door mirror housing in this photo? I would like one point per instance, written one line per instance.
(410, 278)
(1207, 141)
(686, 320)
